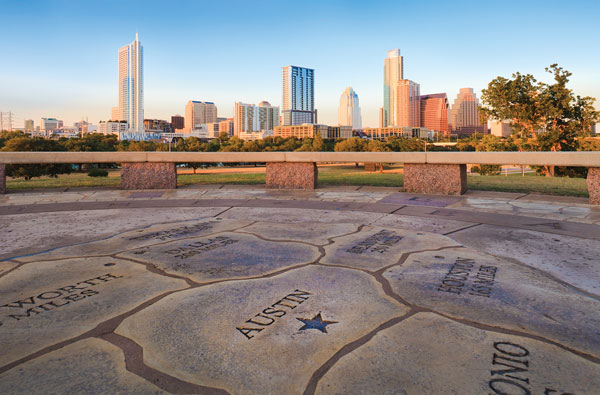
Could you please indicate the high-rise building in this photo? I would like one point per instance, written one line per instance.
(249, 118)
(393, 72)
(226, 126)
(464, 116)
(434, 112)
(349, 110)
(28, 125)
(131, 86)
(177, 121)
(198, 113)
(298, 95)
(407, 102)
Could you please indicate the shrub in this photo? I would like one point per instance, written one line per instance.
(95, 172)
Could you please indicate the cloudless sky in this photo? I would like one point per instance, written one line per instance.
(58, 58)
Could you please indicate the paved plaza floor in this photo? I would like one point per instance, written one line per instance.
(347, 290)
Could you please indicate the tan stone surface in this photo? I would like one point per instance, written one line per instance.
(115, 287)
(428, 354)
(148, 175)
(291, 175)
(376, 247)
(315, 233)
(468, 284)
(298, 215)
(196, 338)
(421, 224)
(433, 179)
(68, 228)
(90, 366)
(225, 256)
(593, 184)
(6, 266)
(155, 234)
(570, 259)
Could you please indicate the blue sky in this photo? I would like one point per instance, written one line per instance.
(59, 58)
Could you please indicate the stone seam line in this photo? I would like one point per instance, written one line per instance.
(378, 275)
(108, 326)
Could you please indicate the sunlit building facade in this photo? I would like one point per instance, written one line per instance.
(464, 116)
(298, 95)
(407, 99)
(249, 118)
(349, 110)
(199, 113)
(131, 86)
(434, 112)
(393, 73)
(311, 130)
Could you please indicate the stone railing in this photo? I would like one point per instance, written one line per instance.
(424, 172)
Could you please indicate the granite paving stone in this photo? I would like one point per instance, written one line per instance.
(315, 233)
(375, 247)
(260, 336)
(43, 303)
(570, 259)
(225, 255)
(90, 366)
(420, 224)
(298, 215)
(155, 234)
(56, 229)
(481, 288)
(429, 354)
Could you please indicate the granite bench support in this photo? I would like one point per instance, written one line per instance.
(148, 175)
(292, 175)
(593, 184)
(435, 179)
(2, 178)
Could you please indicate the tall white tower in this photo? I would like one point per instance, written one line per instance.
(131, 85)
(349, 109)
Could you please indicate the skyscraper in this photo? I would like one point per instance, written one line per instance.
(131, 86)
(198, 113)
(434, 112)
(298, 95)
(393, 72)
(407, 102)
(349, 109)
(464, 116)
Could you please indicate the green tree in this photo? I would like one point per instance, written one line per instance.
(548, 113)
(25, 143)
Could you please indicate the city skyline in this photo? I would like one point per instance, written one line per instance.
(68, 70)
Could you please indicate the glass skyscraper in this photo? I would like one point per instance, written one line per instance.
(131, 86)
(349, 109)
(393, 73)
(298, 95)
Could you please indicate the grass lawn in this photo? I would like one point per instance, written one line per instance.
(328, 175)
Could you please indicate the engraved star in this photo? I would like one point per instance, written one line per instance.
(316, 323)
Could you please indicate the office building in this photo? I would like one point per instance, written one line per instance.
(178, 122)
(158, 126)
(393, 73)
(407, 99)
(501, 128)
(198, 113)
(50, 125)
(298, 95)
(249, 118)
(434, 113)
(131, 87)
(226, 126)
(112, 127)
(28, 126)
(311, 130)
(396, 131)
(464, 116)
(349, 110)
